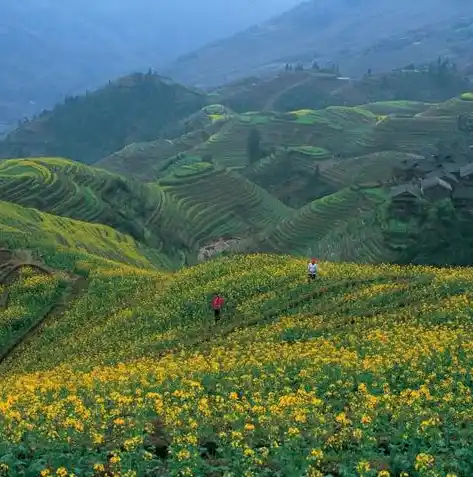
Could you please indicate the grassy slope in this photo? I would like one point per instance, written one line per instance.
(309, 386)
(70, 189)
(64, 243)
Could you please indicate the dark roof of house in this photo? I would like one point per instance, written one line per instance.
(405, 189)
(467, 170)
(426, 184)
(426, 166)
(463, 193)
(453, 168)
(442, 174)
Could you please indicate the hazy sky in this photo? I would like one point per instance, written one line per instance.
(50, 48)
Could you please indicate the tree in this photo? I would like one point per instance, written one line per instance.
(253, 147)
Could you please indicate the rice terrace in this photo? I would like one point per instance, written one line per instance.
(271, 277)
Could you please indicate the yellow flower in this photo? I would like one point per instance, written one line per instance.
(3, 468)
(45, 473)
(363, 466)
(249, 427)
(384, 473)
(61, 472)
(317, 454)
(115, 459)
(183, 454)
(423, 461)
(312, 472)
(365, 419)
(99, 467)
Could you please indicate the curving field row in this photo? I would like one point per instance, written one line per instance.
(220, 203)
(70, 189)
(63, 243)
(364, 373)
(375, 167)
(313, 222)
(411, 135)
(451, 108)
(385, 108)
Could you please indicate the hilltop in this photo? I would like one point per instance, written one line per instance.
(298, 380)
(150, 108)
(86, 128)
(358, 35)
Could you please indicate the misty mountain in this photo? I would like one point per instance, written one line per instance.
(52, 48)
(358, 34)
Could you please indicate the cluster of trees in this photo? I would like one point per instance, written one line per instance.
(333, 69)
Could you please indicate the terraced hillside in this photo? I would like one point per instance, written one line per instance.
(334, 128)
(151, 160)
(293, 175)
(299, 379)
(70, 189)
(411, 134)
(299, 233)
(64, 243)
(376, 167)
(217, 202)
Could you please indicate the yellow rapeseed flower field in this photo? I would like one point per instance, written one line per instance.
(366, 372)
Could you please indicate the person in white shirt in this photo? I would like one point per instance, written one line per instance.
(313, 269)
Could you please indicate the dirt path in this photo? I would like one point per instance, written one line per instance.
(9, 266)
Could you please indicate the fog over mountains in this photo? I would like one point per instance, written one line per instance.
(52, 48)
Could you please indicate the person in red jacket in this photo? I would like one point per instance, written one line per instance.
(217, 303)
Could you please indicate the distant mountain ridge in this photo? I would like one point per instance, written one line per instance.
(53, 48)
(359, 34)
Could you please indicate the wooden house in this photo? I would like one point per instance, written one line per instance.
(462, 198)
(405, 198)
(435, 188)
(466, 173)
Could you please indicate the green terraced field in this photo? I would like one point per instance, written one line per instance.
(67, 244)
(149, 161)
(411, 135)
(300, 232)
(218, 202)
(292, 175)
(397, 107)
(375, 167)
(70, 189)
(451, 108)
(335, 128)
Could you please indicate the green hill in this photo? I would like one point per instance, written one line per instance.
(66, 243)
(296, 374)
(87, 128)
(70, 189)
